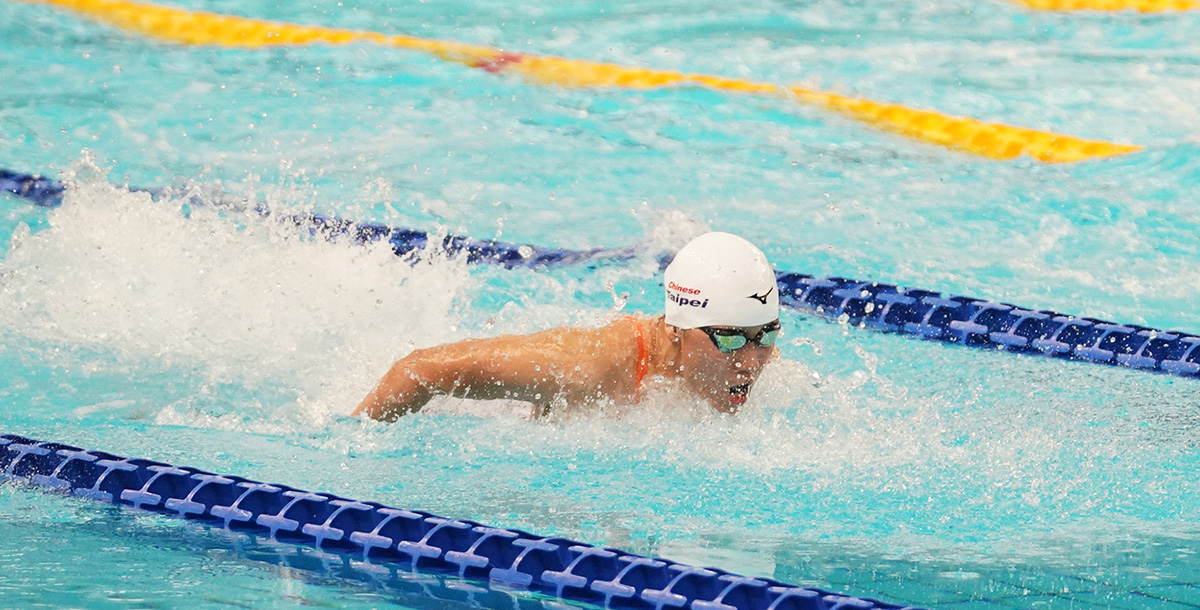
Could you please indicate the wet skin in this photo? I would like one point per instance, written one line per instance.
(721, 379)
(578, 367)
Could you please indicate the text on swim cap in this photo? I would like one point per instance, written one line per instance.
(686, 302)
(683, 289)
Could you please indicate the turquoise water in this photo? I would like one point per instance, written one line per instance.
(864, 463)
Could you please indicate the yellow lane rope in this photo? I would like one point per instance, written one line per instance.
(992, 140)
(1142, 6)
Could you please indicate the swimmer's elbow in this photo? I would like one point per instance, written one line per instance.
(420, 371)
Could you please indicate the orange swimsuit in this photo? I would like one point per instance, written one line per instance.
(643, 361)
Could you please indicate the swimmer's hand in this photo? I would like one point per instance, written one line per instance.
(402, 390)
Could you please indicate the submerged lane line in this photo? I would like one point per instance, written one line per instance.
(991, 140)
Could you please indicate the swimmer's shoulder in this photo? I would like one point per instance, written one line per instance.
(607, 347)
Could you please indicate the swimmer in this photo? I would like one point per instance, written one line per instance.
(718, 332)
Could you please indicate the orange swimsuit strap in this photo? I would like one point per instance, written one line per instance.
(643, 360)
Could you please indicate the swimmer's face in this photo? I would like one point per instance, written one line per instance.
(722, 379)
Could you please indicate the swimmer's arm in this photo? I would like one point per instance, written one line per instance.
(533, 368)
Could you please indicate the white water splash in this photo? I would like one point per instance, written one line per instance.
(247, 299)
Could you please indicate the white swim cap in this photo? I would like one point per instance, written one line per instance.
(720, 279)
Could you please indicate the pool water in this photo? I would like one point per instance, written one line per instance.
(869, 464)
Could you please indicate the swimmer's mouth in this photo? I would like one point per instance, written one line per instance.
(740, 390)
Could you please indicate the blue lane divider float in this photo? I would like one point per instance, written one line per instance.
(38, 190)
(48, 193)
(377, 533)
(921, 313)
(979, 323)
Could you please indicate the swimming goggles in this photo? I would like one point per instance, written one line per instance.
(730, 339)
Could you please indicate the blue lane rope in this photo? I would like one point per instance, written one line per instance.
(979, 323)
(377, 533)
(38, 190)
(925, 314)
(48, 193)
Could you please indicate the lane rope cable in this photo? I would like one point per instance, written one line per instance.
(925, 314)
(377, 533)
(991, 140)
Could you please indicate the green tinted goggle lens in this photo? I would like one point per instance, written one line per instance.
(729, 340)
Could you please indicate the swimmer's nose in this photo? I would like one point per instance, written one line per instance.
(752, 357)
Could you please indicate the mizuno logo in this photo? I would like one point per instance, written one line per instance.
(761, 299)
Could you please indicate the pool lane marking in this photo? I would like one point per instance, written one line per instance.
(991, 140)
(1141, 6)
